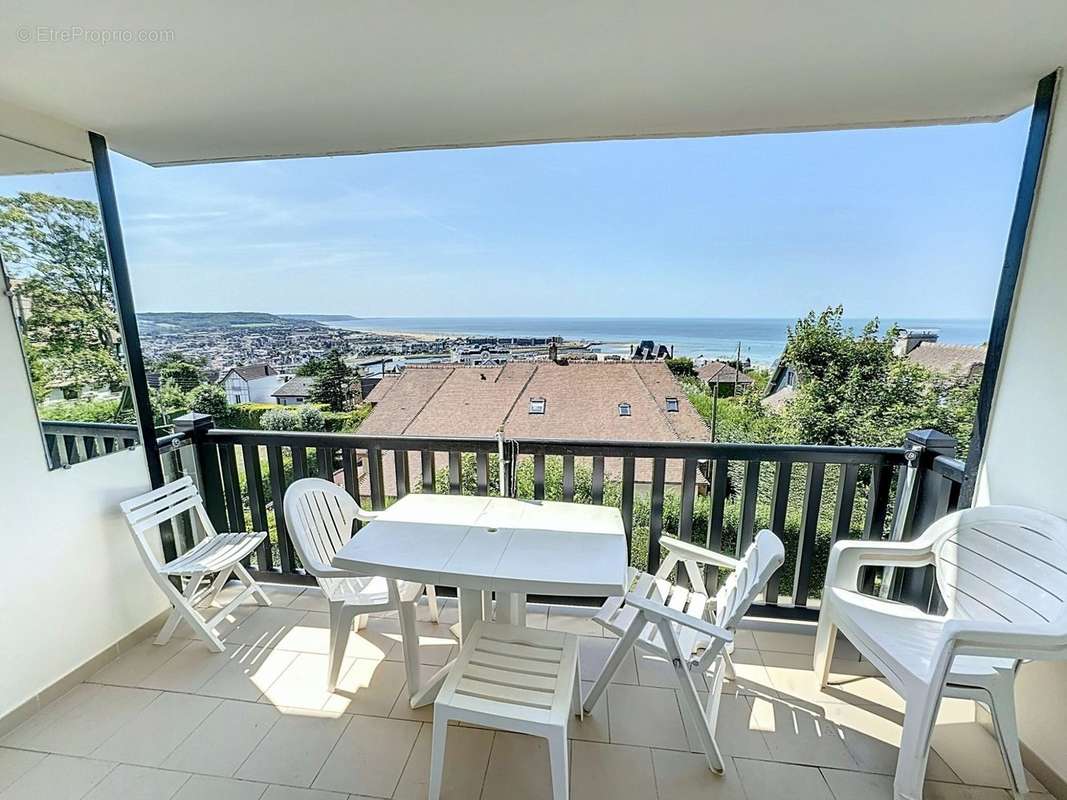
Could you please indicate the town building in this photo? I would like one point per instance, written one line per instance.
(724, 378)
(294, 392)
(252, 384)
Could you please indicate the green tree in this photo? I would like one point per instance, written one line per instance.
(209, 398)
(334, 382)
(54, 248)
(682, 367)
(279, 419)
(178, 369)
(310, 368)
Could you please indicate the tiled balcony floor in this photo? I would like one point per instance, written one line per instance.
(257, 723)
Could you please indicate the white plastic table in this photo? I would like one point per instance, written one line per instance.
(488, 544)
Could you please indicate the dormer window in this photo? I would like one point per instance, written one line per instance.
(672, 404)
(537, 405)
(624, 409)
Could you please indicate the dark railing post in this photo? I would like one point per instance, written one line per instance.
(209, 473)
(927, 504)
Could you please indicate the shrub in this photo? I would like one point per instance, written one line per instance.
(209, 398)
(279, 419)
(80, 410)
(309, 418)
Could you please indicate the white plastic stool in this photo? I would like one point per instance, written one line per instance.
(513, 679)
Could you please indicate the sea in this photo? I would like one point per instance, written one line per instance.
(760, 339)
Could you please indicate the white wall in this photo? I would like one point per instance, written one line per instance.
(1024, 459)
(72, 583)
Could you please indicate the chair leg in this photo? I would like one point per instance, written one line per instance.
(247, 580)
(689, 699)
(919, 718)
(340, 628)
(1002, 709)
(182, 602)
(431, 600)
(825, 639)
(728, 666)
(559, 764)
(437, 753)
(361, 621)
(622, 647)
(216, 587)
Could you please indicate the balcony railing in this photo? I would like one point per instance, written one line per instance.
(70, 443)
(715, 494)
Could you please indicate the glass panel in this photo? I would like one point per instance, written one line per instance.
(59, 282)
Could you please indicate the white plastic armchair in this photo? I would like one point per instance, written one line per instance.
(1002, 573)
(217, 554)
(685, 627)
(319, 516)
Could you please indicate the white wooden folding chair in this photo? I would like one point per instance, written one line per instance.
(218, 554)
(682, 626)
(319, 516)
(1002, 573)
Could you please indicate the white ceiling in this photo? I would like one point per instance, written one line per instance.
(251, 79)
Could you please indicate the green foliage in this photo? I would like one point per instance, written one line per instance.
(293, 418)
(310, 418)
(246, 416)
(333, 383)
(682, 367)
(81, 411)
(54, 248)
(209, 398)
(169, 401)
(346, 421)
(177, 369)
(310, 368)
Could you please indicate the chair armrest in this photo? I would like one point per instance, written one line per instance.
(651, 608)
(847, 557)
(687, 551)
(1003, 639)
(366, 516)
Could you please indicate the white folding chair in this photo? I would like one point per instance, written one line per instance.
(319, 516)
(683, 627)
(218, 554)
(1002, 573)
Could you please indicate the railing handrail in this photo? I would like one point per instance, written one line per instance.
(951, 468)
(737, 451)
(72, 426)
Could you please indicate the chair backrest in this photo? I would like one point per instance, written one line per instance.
(319, 516)
(740, 589)
(1002, 563)
(146, 511)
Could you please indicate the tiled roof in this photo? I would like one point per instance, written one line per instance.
(719, 372)
(581, 402)
(381, 388)
(959, 360)
(253, 371)
(297, 387)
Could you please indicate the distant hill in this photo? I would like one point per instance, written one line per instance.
(190, 321)
(321, 317)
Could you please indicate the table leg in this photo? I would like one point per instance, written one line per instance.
(511, 608)
(409, 641)
(470, 610)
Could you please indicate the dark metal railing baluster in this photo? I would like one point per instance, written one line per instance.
(539, 476)
(689, 491)
(377, 478)
(482, 473)
(278, 484)
(845, 502)
(235, 514)
(597, 483)
(783, 472)
(428, 474)
(655, 515)
(568, 478)
(300, 462)
(324, 462)
(750, 494)
(257, 504)
(627, 508)
(809, 528)
(455, 472)
(400, 470)
(877, 502)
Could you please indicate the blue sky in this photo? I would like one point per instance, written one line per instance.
(906, 222)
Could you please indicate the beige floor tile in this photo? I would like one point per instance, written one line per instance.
(58, 778)
(752, 675)
(537, 616)
(791, 675)
(269, 627)
(369, 757)
(934, 790)
(744, 639)
(15, 763)
(201, 787)
(402, 707)
(781, 642)
(850, 785)
(518, 769)
(872, 736)
(375, 641)
(738, 732)
(140, 661)
(437, 645)
(279, 594)
(371, 687)
(224, 739)
(249, 671)
(311, 600)
(574, 619)
(592, 727)
(129, 782)
(593, 652)
(153, 734)
(801, 734)
(294, 793)
(973, 754)
(189, 669)
(294, 749)
(466, 757)
(447, 607)
(303, 685)
(654, 670)
(763, 780)
(81, 720)
(611, 772)
(224, 628)
(645, 716)
(686, 776)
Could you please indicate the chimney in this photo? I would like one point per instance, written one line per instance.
(909, 339)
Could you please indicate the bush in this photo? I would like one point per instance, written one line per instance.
(310, 418)
(279, 419)
(346, 421)
(209, 398)
(80, 410)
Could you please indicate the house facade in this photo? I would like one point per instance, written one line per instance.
(251, 384)
(294, 392)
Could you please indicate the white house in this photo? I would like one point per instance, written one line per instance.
(252, 384)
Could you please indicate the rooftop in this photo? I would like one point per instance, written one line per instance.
(300, 386)
(257, 723)
(959, 360)
(719, 372)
